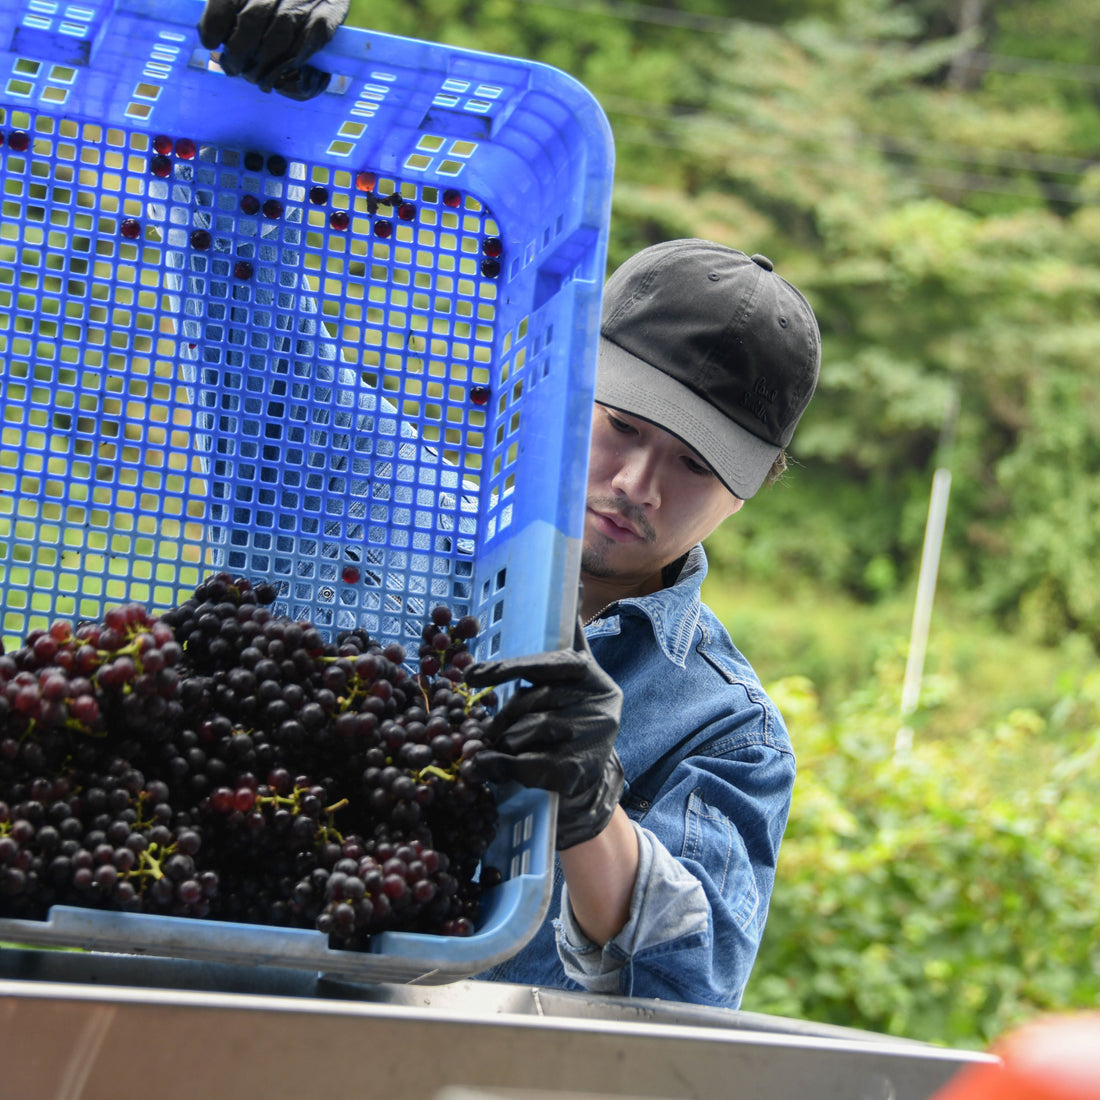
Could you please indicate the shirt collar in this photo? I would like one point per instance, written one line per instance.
(673, 611)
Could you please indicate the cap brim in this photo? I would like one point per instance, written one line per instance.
(625, 382)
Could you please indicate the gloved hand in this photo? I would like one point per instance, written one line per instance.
(558, 734)
(269, 41)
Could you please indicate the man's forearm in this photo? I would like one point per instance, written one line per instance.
(600, 874)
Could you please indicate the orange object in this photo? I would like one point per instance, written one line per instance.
(1052, 1058)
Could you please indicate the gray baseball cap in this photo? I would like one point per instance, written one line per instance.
(713, 346)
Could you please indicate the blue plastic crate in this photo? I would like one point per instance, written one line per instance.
(346, 345)
(267, 394)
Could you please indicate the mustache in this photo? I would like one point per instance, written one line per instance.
(631, 513)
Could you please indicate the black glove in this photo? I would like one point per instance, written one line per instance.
(269, 41)
(558, 735)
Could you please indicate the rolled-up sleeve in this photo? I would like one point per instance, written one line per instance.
(668, 907)
(707, 855)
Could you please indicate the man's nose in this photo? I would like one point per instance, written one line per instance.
(638, 478)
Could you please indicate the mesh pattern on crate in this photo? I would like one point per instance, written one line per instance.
(219, 358)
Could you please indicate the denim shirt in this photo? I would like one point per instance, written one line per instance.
(709, 773)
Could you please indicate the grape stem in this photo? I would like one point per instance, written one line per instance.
(471, 699)
(150, 863)
(329, 831)
(435, 769)
(79, 727)
(424, 692)
(294, 799)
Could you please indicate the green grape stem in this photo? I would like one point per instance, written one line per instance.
(293, 800)
(470, 699)
(435, 769)
(149, 862)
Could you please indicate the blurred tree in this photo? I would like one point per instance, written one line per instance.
(926, 173)
(921, 292)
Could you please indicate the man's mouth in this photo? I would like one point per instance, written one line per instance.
(615, 526)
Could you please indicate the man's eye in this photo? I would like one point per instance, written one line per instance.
(698, 468)
(620, 425)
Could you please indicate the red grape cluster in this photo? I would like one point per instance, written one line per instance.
(223, 762)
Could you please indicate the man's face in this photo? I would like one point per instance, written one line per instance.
(650, 499)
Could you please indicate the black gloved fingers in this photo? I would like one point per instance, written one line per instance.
(242, 39)
(292, 77)
(532, 733)
(301, 84)
(318, 33)
(290, 41)
(545, 698)
(217, 22)
(530, 770)
(559, 666)
(494, 766)
(263, 40)
(269, 41)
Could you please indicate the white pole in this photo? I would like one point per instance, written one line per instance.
(926, 584)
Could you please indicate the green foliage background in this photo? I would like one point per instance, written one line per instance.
(948, 896)
(927, 173)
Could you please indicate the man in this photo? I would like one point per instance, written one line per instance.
(707, 360)
(674, 769)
